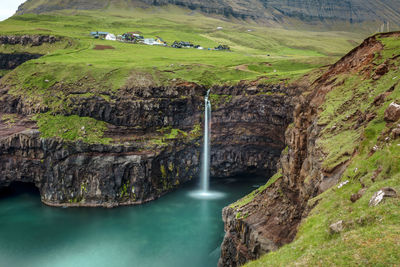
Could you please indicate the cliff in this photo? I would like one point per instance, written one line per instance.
(83, 145)
(341, 149)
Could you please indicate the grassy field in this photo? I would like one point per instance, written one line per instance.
(256, 51)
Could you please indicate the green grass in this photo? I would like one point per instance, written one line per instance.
(217, 100)
(370, 238)
(248, 198)
(72, 128)
(169, 134)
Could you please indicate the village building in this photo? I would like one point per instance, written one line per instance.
(149, 41)
(160, 41)
(133, 37)
(111, 37)
(98, 34)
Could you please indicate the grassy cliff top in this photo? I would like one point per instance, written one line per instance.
(256, 51)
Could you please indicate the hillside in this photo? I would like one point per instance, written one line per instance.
(342, 151)
(256, 50)
(327, 14)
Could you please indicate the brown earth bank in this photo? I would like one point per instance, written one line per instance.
(103, 47)
(271, 219)
(248, 122)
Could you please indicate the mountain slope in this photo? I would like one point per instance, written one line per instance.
(275, 12)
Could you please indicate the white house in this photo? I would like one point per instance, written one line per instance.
(111, 37)
(150, 41)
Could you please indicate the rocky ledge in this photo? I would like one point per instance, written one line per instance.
(79, 174)
(32, 40)
(9, 61)
(154, 138)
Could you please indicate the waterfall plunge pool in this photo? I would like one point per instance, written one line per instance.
(176, 230)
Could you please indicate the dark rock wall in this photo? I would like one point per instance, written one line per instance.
(33, 40)
(78, 174)
(247, 137)
(11, 61)
(247, 129)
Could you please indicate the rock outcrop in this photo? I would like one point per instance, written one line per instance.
(11, 61)
(32, 40)
(392, 113)
(247, 125)
(78, 174)
(140, 164)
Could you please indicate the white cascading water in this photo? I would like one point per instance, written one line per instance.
(205, 163)
(204, 192)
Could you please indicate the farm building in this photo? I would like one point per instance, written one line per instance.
(98, 34)
(111, 37)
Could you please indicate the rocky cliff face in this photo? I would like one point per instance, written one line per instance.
(9, 61)
(78, 174)
(268, 218)
(155, 135)
(247, 125)
(271, 11)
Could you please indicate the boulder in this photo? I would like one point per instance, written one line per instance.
(396, 132)
(381, 194)
(392, 113)
(381, 69)
(360, 193)
(337, 227)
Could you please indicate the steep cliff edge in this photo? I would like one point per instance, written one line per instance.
(85, 144)
(247, 122)
(341, 133)
(17, 49)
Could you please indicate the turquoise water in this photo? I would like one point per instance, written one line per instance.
(176, 230)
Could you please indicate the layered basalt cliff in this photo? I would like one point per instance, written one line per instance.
(247, 125)
(153, 138)
(138, 165)
(79, 174)
(311, 163)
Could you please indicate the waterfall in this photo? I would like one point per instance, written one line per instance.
(204, 192)
(205, 162)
